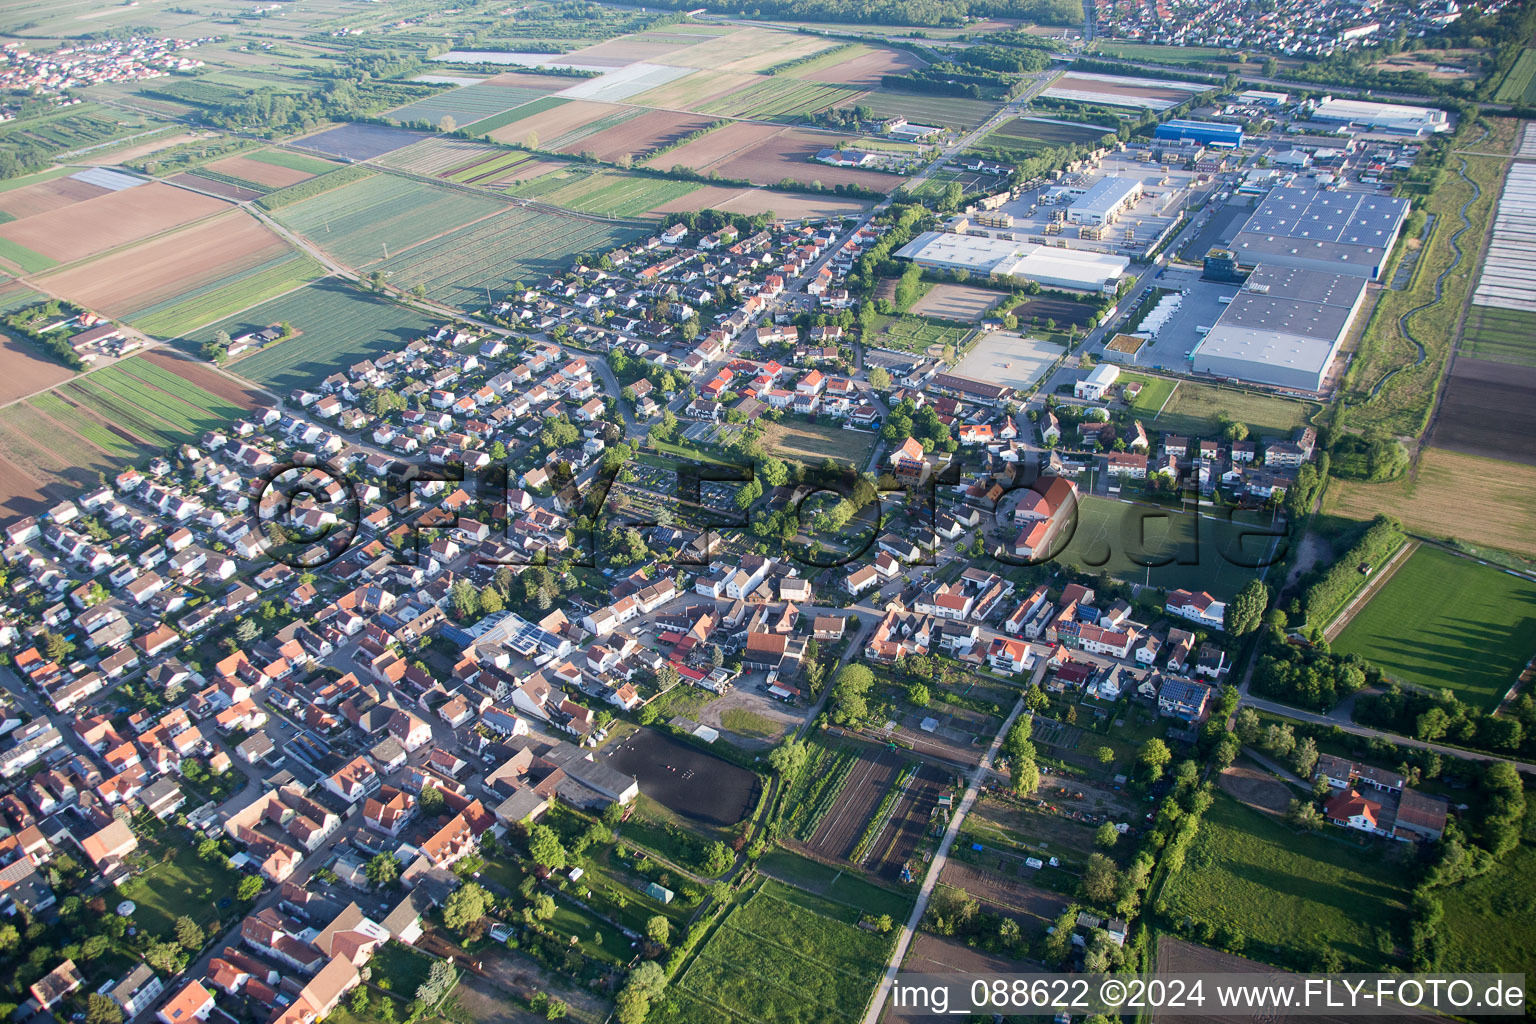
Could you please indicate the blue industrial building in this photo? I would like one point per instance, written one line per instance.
(1208, 132)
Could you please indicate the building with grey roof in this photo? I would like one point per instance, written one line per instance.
(1349, 233)
(1283, 328)
(1105, 201)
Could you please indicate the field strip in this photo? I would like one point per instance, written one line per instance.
(1160, 408)
(1336, 626)
(831, 820)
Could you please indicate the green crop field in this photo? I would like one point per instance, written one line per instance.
(1490, 920)
(292, 161)
(1194, 408)
(458, 267)
(1048, 132)
(1444, 621)
(1212, 553)
(225, 297)
(1502, 335)
(467, 104)
(30, 262)
(783, 956)
(1519, 86)
(1290, 894)
(780, 97)
(154, 404)
(516, 114)
(381, 216)
(605, 194)
(339, 326)
(487, 170)
(947, 111)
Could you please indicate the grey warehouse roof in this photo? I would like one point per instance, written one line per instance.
(1334, 228)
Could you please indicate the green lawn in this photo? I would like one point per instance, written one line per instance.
(785, 956)
(1194, 408)
(836, 884)
(749, 723)
(1490, 920)
(1209, 554)
(177, 883)
(1291, 895)
(1447, 621)
(403, 966)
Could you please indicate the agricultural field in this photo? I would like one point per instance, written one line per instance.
(1123, 90)
(556, 122)
(1064, 312)
(66, 129)
(813, 443)
(1194, 407)
(1027, 136)
(270, 168)
(1450, 495)
(916, 334)
(86, 228)
(1519, 85)
(1289, 894)
(98, 422)
(1223, 555)
(1154, 52)
(338, 325)
(470, 103)
(783, 956)
(24, 367)
(155, 273)
(45, 191)
(440, 156)
(379, 217)
(695, 91)
(921, 108)
(859, 65)
(1483, 619)
(766, 159)
(749, 50)
(641, 134)
(623, 82)
(215, 300)
(358, 141)
(604, 193)
(1500, 335)
(457, 267)
(782, 98)
(835, 884)
(1486, 408)
(754, 201)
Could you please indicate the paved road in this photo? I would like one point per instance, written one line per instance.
(936, 867)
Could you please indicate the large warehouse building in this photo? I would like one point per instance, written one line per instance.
(1348, 233)
(1210, 133)
(1387, 117)
(1283, 328)
(1051, 266)
(1105, 201)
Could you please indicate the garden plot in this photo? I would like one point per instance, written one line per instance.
(1123, 90)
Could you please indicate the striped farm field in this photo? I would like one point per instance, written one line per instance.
(376, 218)
(458, 268)
(607, 195)
(292, 161)
(470, 103)
(337, 325)
(783, 98)
(177, 417)
(84, 423)
(1502, 335)
(1519, 86)
(506, 117)
(191, 310)
(437, 155)
(948, 111)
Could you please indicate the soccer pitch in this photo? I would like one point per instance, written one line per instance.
(1217, 550)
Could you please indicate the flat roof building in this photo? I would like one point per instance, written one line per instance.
(1283, 328)
(1050, 266)
(1348, 233)
(1096, 383)
(1105, 201)
(1388, 117)
(1211, 133)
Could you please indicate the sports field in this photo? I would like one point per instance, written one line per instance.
(1205, 553)
(1296, 893)
(338, 324)
(1444, 621)
(1502, 335)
